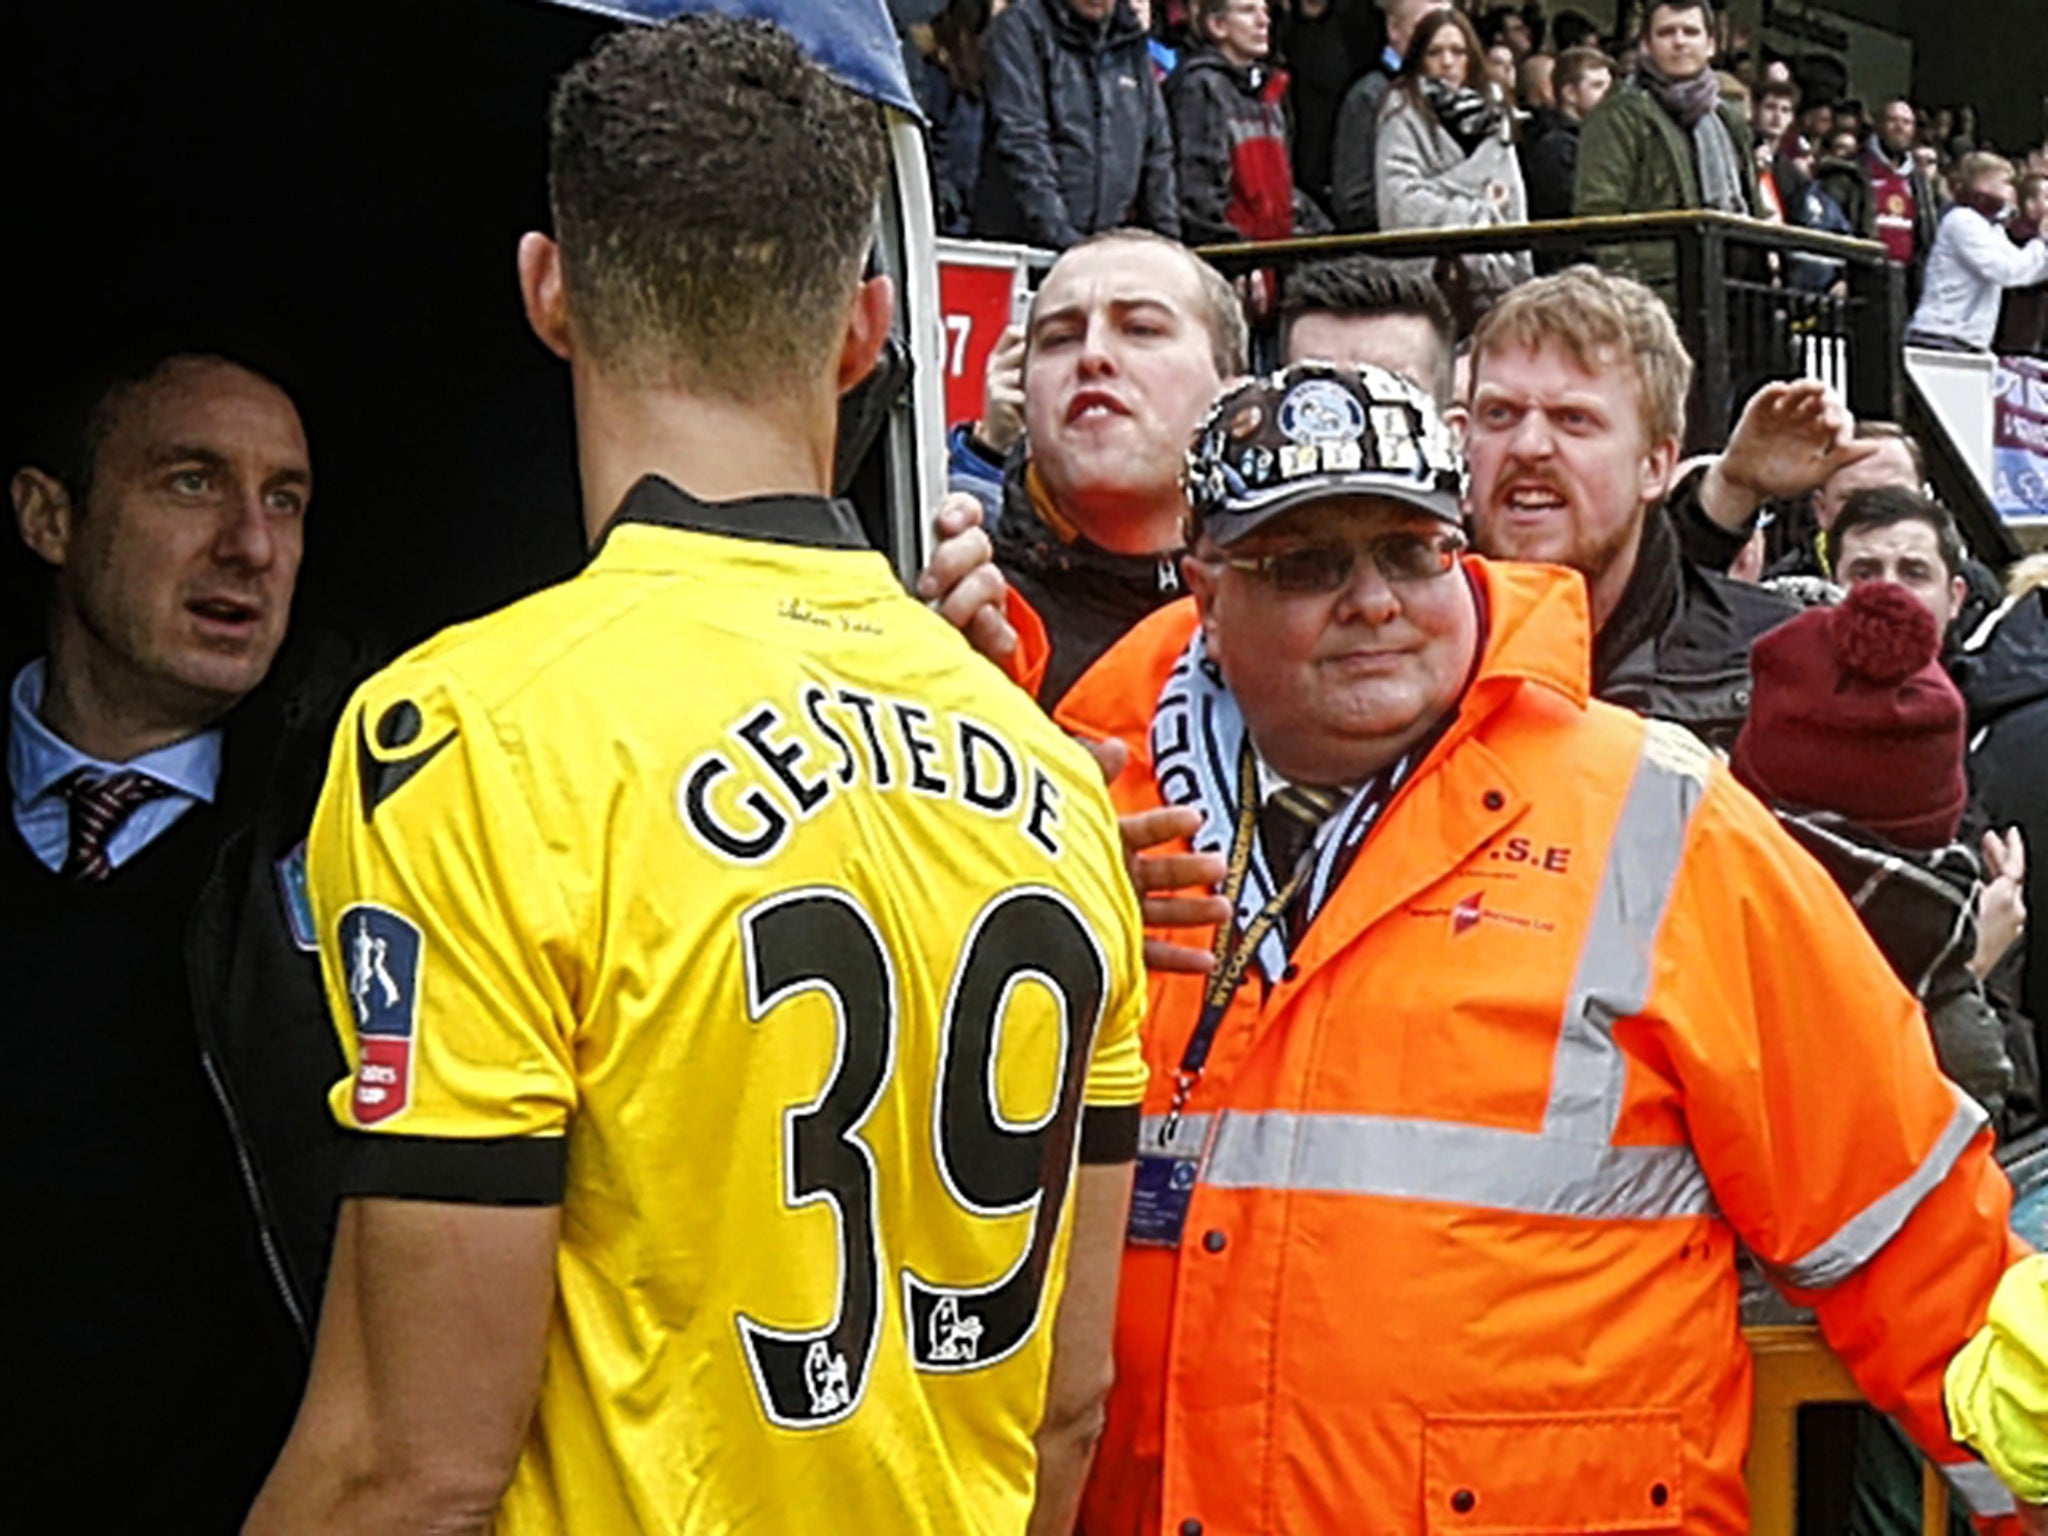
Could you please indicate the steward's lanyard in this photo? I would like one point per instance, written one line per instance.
(1234, 947)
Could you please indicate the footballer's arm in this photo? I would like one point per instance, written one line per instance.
(426, 1371)
(1083, 1361)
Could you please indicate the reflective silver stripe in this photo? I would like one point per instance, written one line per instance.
(1863, 1234)
(1613, 978)
(1980, 1488)
(1478, 1166)
(1188, 1137)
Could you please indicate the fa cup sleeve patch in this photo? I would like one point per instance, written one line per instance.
(381, 953)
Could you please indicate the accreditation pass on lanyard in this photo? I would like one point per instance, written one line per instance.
(1170, 1160)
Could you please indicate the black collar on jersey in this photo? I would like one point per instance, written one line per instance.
(816, 522)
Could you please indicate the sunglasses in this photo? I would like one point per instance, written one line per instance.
(1402, 558)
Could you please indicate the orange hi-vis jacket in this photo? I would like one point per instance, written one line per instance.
(1461, 1248)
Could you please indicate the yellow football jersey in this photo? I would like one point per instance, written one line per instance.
(722, 895)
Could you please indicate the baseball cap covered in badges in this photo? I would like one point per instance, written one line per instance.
(1313, 431)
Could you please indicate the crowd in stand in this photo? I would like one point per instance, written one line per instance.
(1423, 136)
(1851, 728)
(1089, 532)
(1551, 907)
(1223, 120)
(1876, 686)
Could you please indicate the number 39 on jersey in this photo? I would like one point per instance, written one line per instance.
(822, 940)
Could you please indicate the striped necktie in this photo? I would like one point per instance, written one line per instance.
(1288, 822)
(100, 803)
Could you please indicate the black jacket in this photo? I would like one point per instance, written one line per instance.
(1677, 645)
(152, 1322)
(1550, 163)
(1087, 596)
(2004, 681)
(1354, 195)
(1077, 140)
(263, 1024)
(1321, 64)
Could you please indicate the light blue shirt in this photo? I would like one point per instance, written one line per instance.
(38, 759)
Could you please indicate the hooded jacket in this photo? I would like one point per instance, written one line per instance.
(1235, 179)
(1077, 140)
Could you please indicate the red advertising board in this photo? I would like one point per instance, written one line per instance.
(978, 286)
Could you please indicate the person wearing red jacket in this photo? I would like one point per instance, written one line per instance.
(1230, 133)
(1529, 1013)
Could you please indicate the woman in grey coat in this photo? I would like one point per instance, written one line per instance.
(1444, 154)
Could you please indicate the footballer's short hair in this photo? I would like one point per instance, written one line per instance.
(714, 194)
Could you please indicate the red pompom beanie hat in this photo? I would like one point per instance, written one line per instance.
(1852, 713)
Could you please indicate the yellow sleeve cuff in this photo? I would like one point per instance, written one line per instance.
(1997, 1385)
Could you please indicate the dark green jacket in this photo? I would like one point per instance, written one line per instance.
(1634, 158)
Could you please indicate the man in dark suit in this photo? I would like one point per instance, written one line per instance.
(167, 1154)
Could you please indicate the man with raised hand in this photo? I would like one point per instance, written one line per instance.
(1577, 412)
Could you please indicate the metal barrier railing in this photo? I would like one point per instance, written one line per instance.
(1728, 280)
(1741, 319)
